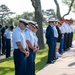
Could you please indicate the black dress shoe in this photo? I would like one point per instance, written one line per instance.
(55, 58)
(51, 62)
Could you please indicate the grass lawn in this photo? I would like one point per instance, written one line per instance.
(74, 36)
(7, 65)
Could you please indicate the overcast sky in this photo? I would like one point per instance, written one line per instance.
(20, 6)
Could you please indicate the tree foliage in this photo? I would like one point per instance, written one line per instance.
(28, 15)
(4, 13)
(48, 14)
(68, 2)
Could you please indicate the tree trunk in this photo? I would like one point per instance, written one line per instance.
(39, 18)
(57, 10)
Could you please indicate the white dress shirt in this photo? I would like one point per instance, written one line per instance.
(35, 39)
(30, 36)
(55, 32)
(8, 34)
(62, 29)
(18, 36)
(72, 29)
(69, 29)
(65, 27)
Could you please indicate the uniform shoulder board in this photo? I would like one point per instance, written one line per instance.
(26, 29)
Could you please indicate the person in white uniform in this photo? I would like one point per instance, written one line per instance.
(55, 38)
(21, 51)
(31, 43)
(69, 35)
(61, 50)
(8, 35)
(36, 44)
(65, 25)
(72, 30)
(67, 38)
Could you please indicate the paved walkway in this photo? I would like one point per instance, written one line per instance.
(3, 56)
(65, 65)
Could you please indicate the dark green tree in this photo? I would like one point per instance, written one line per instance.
(48, 14)
(4, 13)
(28, 15)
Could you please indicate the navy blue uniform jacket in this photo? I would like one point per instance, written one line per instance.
(49, 35)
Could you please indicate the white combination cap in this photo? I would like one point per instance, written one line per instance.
(53, 20)
(24, 21)
(32, 22)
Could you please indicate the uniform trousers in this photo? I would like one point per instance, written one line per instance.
(71, 39)
(3, 45)
(51, 51)
(34, 55)
(55, 41)
(68, 41)
(20, 61)
(65, 41)
(0, 43)
(0, 46)
(30, 63)
(8, 47)
(61, 46)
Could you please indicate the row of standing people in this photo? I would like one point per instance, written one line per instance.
(59, 35)
(25, 43)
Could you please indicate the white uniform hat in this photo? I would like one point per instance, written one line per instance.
(24, 21)
(53, 20)
(36, 26)
(32, 23)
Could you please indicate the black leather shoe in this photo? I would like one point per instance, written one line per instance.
(55, 58)
(51, 62)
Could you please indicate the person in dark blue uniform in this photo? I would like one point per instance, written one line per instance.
(21, 51)
(0, 39)
(3, 40)
(50, 41)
